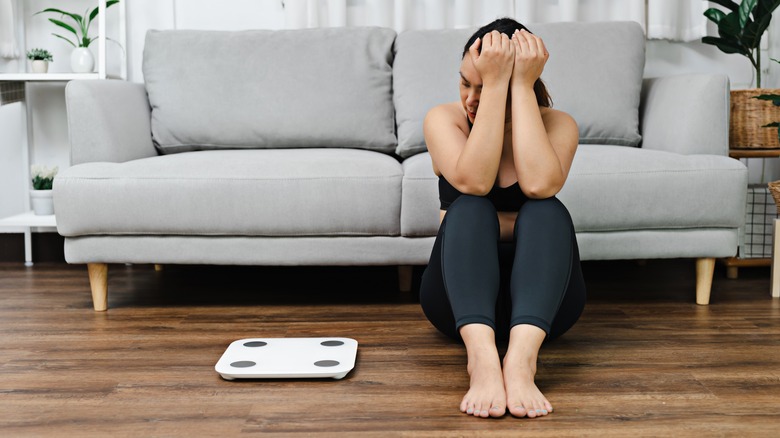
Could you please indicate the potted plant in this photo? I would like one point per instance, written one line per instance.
(81, 59)
(740, 29)
(40, 60)
(40, 195)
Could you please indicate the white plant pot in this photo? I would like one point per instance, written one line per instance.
(42, 202)
(82, 61)
(40, 66)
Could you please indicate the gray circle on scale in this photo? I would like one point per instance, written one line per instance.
(255, 344)
(332, 343)
(326, 363)
(243, 364)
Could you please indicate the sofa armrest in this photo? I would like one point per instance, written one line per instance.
(108, 121)
(686, 114)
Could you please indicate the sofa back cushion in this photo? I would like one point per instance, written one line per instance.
(594, 73)
(270, 89)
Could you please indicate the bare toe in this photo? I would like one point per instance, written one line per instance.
(498, 409)
(464, 405)
(478, 410)
(518, 411)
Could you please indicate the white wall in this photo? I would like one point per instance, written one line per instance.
(50, 139)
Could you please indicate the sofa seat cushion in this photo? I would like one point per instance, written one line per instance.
(614, 188)
(303, 192)
(420, 205)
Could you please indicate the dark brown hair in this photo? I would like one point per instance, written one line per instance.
(508, 26)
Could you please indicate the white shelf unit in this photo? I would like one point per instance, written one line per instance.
(24, 223)
(30, 219)
(44, 77)
(27, 220)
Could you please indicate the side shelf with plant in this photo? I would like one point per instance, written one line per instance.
(740, 29)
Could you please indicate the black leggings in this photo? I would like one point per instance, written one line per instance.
(472, 277)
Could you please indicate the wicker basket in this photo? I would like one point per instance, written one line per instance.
(774, 189)
(748, 115)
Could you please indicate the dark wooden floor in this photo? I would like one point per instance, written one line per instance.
(643, 360)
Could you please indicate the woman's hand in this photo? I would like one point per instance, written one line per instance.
(494, 63)
(530, 58)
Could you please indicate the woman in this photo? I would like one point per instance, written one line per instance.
(505, 263)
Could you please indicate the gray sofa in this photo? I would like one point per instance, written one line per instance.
(306, 148)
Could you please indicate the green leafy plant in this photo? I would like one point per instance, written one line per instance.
(39, 55)
(81, 29)
(42, 176)
(740, 29)
(775, 99)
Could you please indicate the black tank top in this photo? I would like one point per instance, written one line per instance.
(503, 198)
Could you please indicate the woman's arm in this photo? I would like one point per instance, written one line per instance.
(543, 145)
(470, 162)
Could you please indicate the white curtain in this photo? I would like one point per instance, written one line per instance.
(545, 11)
(678, 20)
(9, 49)
(438, 14)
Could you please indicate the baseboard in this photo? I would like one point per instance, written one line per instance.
(46, 247)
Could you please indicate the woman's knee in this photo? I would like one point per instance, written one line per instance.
(472, 211)
(548, 209)
(472, 202)
(549, 213)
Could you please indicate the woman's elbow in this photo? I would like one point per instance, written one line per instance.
(471, 186)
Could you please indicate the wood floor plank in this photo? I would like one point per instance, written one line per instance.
(644, 360)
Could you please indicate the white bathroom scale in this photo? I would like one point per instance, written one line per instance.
(288, 358)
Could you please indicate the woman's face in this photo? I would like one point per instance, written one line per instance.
(470, 87)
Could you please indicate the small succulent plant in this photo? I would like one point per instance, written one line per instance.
(39, 55)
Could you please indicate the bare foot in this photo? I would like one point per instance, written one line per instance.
(486, 396)
(523, 397)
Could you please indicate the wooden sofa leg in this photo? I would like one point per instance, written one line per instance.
(405, 278)
(98, 282)
(705, 268)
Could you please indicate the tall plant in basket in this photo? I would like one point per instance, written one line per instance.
(740, 28)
